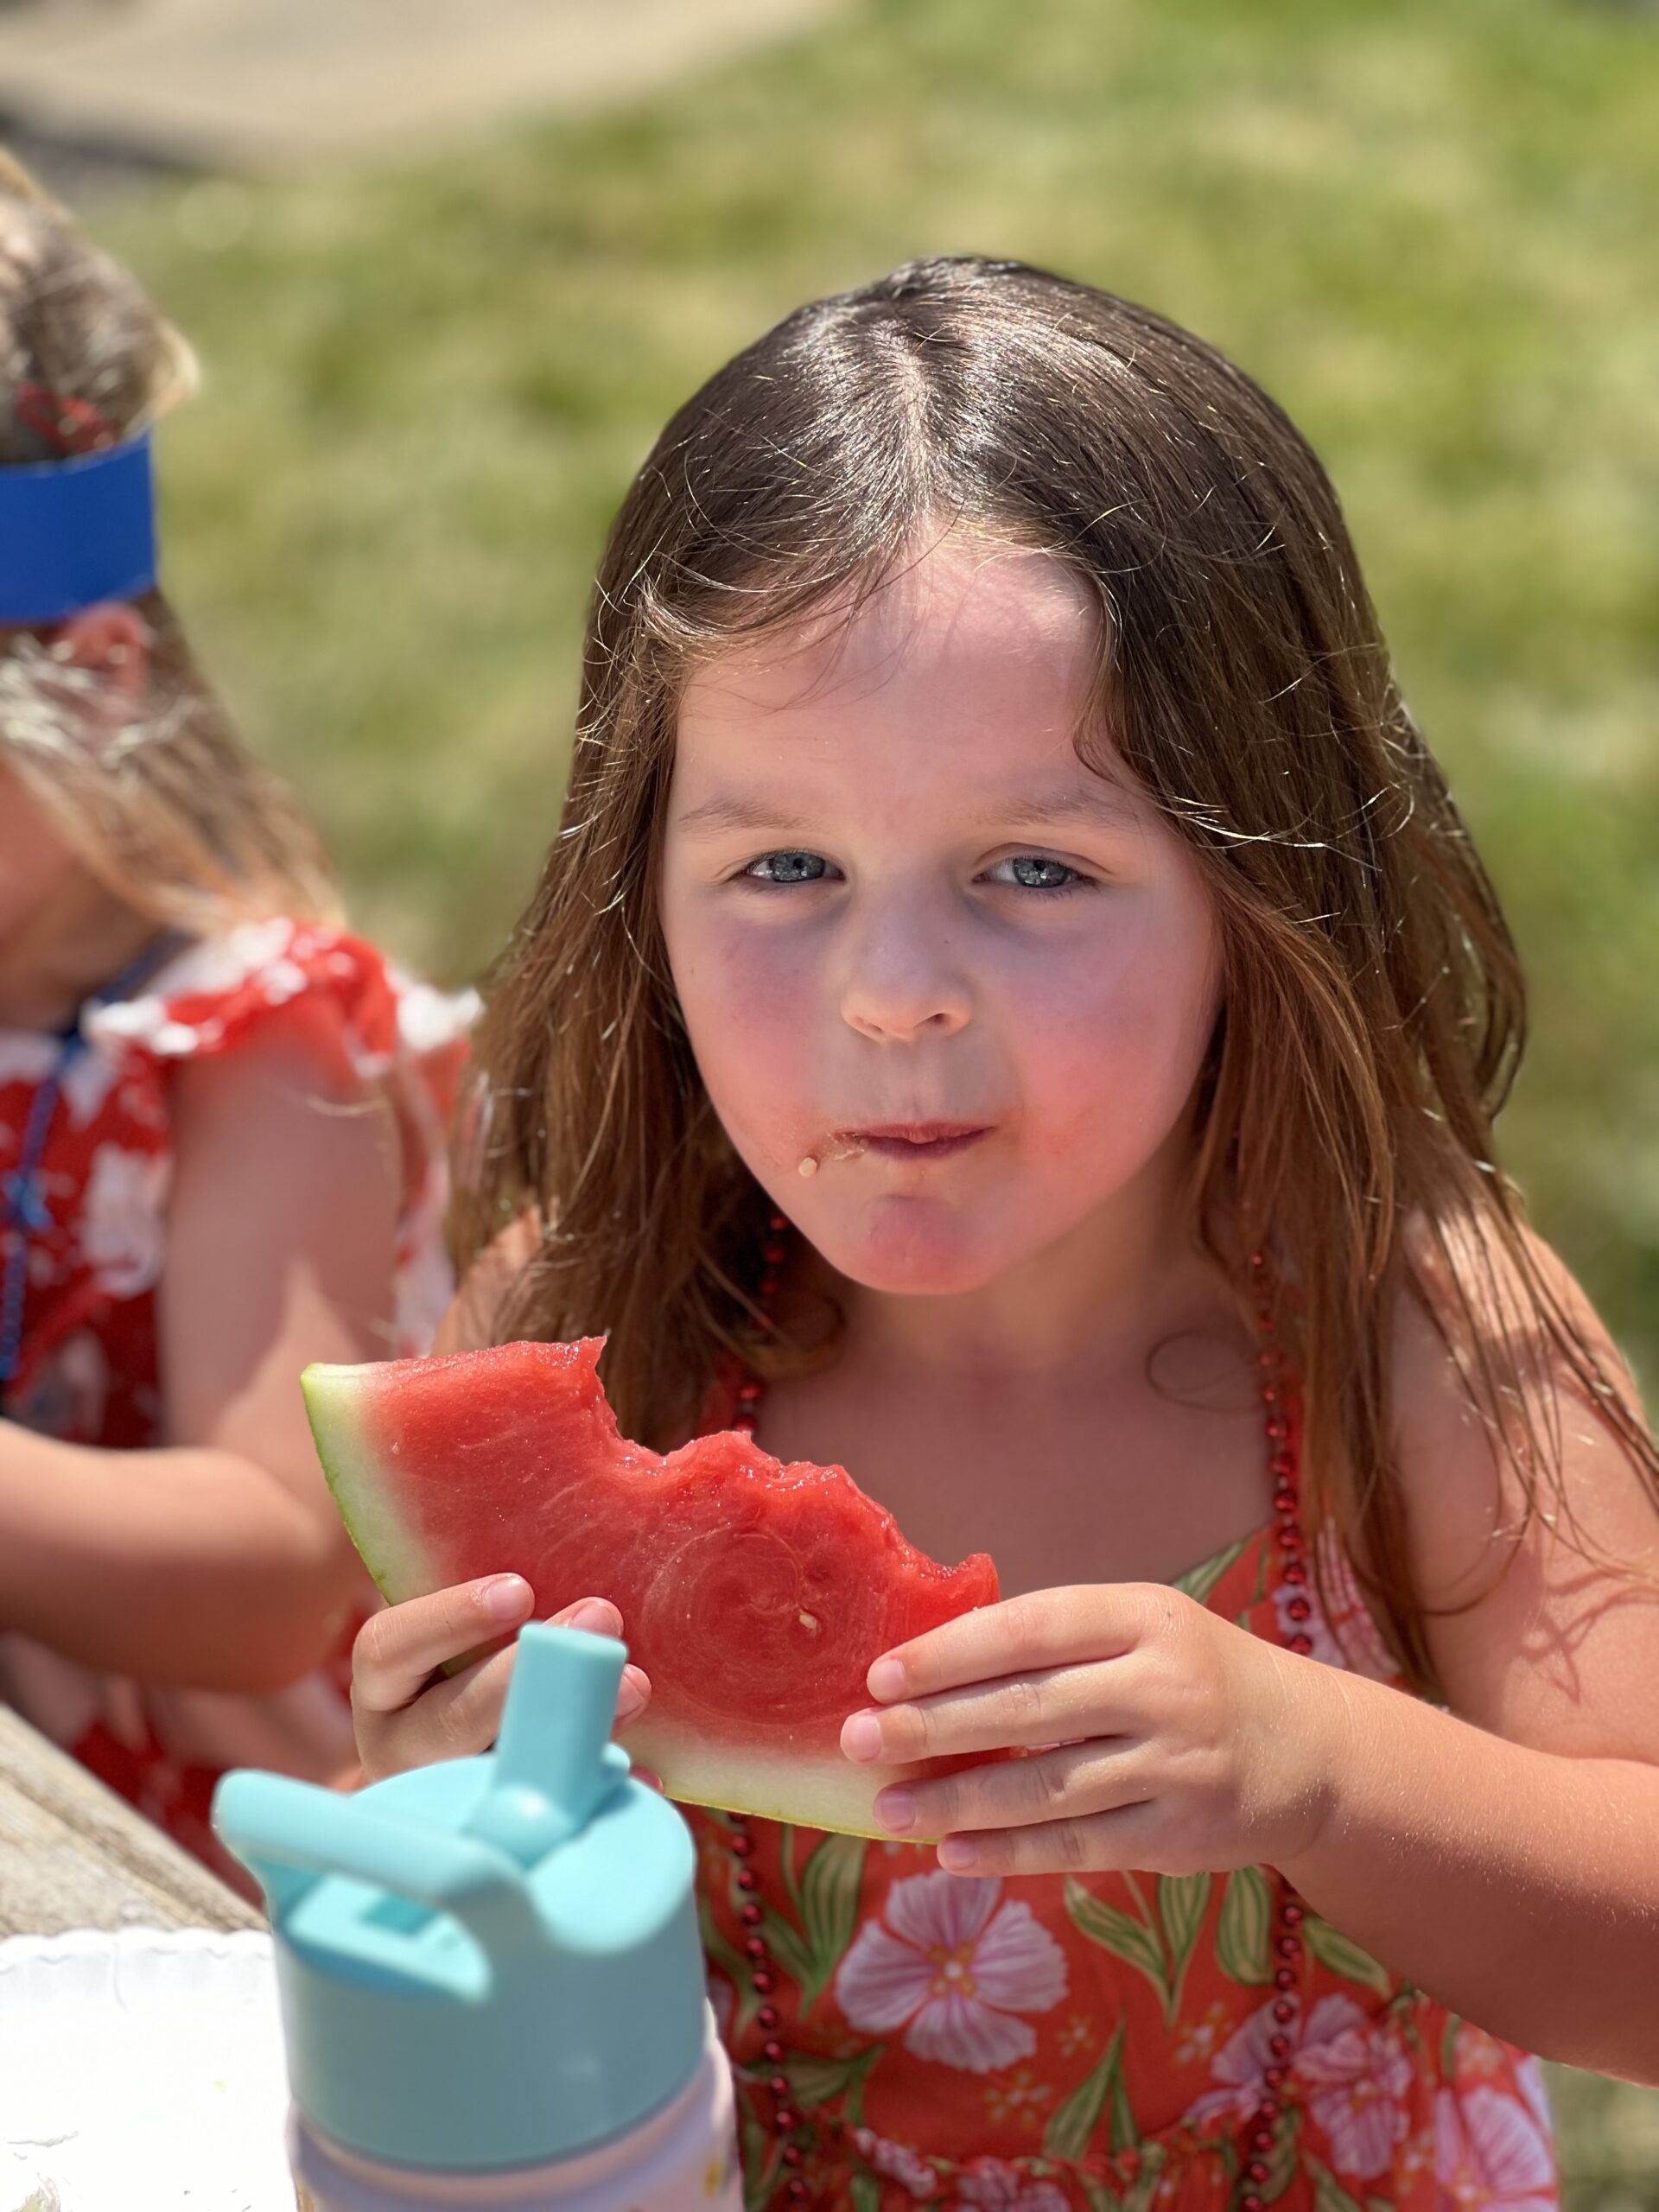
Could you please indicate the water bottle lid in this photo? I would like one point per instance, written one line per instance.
(494, 1962)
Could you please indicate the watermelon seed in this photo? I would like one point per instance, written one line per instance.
(810, 1623)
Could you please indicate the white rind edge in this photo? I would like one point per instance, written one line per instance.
(382, 1534)
(815, 1794)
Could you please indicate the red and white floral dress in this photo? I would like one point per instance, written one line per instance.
(907, 2040)
(86, 1365)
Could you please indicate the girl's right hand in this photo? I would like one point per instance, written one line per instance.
(408, 1715)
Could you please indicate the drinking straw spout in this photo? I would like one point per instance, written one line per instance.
(555, 1762)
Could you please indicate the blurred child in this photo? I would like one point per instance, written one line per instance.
(1013, 1008)
(221, 1118)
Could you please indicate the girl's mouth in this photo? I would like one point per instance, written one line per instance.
(917, 1140)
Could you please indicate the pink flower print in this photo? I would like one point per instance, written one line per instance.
(1242, 2067)
(1415, 2158)
(952, 1966)
(898, 2162)
(1529, 2080)
(991, 2186)
(1358, 2084)
(1491, 2150)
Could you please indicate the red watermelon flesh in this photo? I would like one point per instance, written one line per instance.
(754, 1595)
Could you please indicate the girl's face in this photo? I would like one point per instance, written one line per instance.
(916, 942)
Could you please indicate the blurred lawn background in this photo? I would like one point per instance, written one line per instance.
(1428, 226)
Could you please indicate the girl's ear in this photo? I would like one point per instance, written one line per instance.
(111, 643)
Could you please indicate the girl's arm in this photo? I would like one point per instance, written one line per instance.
(220, 1560)
(1507, 1859)
(1503, 1856)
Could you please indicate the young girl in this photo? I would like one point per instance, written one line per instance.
(1013, 1009)
(219, 1153)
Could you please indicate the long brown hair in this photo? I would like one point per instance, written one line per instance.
(1373, 1013)
(172, 814)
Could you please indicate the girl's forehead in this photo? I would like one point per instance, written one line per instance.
(968, 645)
(955, 603)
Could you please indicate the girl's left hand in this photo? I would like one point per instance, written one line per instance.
(1157, 1737)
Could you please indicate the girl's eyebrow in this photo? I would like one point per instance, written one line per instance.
(731, 813)
(1101, 801)
(1105, 803)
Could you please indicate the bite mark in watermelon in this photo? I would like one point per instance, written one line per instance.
(754, 1595)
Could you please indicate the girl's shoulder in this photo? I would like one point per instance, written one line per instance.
(1464, 1424)
(333, 992)
(1531, 1512)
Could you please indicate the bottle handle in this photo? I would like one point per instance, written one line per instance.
(291, 1834)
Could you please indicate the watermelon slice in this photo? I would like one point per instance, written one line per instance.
(754, 1595)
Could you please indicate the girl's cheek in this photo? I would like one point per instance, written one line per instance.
(1108, 1059)
(748, 1002)
(749, 982)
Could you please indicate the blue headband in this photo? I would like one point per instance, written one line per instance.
(74, 533)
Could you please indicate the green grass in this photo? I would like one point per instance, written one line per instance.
(1426, 225)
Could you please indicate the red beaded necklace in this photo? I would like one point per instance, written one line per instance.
(793, 2130)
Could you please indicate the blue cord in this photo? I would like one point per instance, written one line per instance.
(23, 1210)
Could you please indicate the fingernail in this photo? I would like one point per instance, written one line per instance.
(886, 1681)
(594, 1614)
(507, 1597)
(957, 1857)
(896, 1809)
(860, 1737)
(630, 1699)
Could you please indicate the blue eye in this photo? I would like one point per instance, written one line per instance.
(1032, 872)
(788, 867)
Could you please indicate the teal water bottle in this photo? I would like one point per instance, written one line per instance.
(490, 1971)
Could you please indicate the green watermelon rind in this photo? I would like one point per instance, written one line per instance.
(831, 1794)
(376, 1521)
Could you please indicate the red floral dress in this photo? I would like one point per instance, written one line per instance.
(1099, 2044)
(87, 1370)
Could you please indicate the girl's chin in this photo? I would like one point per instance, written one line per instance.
(908, 1247)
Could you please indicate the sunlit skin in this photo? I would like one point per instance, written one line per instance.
(919, 945)
(895, 899)
(217, 1559)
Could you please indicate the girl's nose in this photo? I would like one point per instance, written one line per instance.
(903, 982)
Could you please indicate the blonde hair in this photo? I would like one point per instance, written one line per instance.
(1373, 1011)
(171, 812)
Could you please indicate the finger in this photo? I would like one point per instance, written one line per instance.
(633, 1696)
(459, 1715)
(1067, 1784)
(1054, 1705)
(1102, 1843)
(397, 1650)
(1047, 1628)
(455, 1719)
(464, 1713)
(598, 1615)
